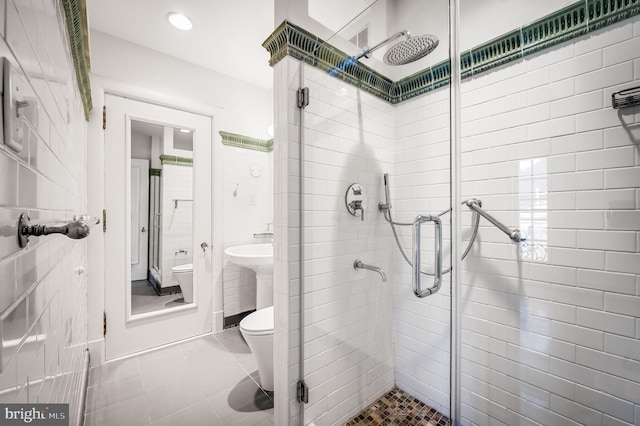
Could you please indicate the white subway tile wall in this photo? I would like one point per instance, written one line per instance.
(43, 305)
(177, 220)
(560, 313)
(245, 214)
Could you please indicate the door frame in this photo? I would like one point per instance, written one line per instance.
(215, 241)
(143, 217)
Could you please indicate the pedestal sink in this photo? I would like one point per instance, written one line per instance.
(258, 257)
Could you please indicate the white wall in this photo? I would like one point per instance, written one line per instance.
(238, 107)
(42, 295)
(245, 214)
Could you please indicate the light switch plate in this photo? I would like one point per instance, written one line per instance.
(13, 103)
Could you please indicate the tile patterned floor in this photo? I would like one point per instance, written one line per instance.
(399, 408)
(145, 299)
(212, 380)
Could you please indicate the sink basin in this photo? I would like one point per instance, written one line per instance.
(258, 257)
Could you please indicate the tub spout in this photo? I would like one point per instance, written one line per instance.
(359, 265)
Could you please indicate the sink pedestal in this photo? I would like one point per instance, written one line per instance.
(264, 290)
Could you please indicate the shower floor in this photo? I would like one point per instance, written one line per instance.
(399, 408)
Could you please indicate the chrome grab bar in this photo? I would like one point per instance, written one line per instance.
(415, 268)
(514, 234)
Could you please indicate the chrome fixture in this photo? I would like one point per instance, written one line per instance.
(76, 229)
(626, 98)
(204, 246)
(415, 268)
(359, 265)
(514, 234)
(355, 200)
(476, 207)
(409, 50)
(176, 200)
(177, 252)
(265, 235)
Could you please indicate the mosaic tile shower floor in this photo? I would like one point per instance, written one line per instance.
(399, 408)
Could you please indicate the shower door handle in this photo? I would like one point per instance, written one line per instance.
(415, 269)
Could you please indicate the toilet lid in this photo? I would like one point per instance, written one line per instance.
(187, 267)
(259, 321)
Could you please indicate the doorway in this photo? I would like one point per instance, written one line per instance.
(158, 237)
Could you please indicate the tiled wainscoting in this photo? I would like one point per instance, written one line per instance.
(43, 286)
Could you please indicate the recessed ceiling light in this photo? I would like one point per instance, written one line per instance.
(179, 21)
(185, 130)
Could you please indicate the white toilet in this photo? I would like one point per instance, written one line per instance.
(257, 330)
(184, 275)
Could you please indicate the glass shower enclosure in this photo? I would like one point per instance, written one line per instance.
(460, 232)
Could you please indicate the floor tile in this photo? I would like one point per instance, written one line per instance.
(133, 412)
(108, 394)
(197, 415)
(211, 380)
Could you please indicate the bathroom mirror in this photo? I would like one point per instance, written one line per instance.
(161, 217)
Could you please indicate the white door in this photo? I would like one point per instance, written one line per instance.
(139, 219)
(127, 333)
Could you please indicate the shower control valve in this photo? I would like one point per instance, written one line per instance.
(355, 200)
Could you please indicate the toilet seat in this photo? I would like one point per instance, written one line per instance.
(187, 267)
(258, 323)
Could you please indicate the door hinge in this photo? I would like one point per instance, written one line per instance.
(303, 97)
(104, 117)
(303, 392)
(104, 220)
(104, 323)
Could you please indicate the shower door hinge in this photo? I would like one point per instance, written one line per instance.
(104, 117)
(303, 97)
(303, 392)
(104, 323)
(104, 220)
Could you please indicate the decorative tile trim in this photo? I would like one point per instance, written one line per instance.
(176, 161)
(241, 141)
(75, 12)
(575, 20)
(155, 172)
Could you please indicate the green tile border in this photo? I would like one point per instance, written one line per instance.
(241, 141)
(176, 161)
(75, 12)
(155, 172)
(575, 20)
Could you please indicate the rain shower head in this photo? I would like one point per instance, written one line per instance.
(411, 49)
(405, 52)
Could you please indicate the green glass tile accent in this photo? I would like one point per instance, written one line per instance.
(241, 141)
(75, 12)
(176, 161)
(572, 21)
(155, 172)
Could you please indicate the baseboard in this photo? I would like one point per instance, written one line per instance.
(97, 352)
(83, 394)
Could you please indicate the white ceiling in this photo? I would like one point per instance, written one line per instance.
(226, 37)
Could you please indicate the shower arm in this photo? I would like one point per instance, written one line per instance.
(370, 50)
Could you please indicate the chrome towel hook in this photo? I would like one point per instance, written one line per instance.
(76, 229)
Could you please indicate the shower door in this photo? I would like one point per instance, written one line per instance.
(364, 332)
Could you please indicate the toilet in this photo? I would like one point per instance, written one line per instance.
(184, 275)
(257, 330)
